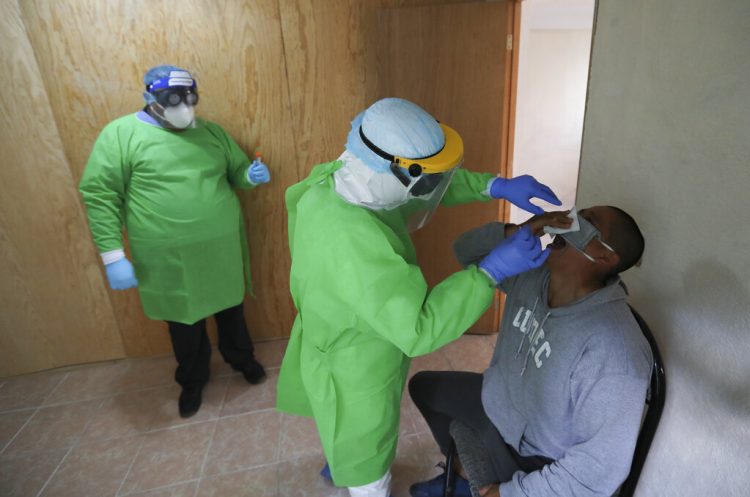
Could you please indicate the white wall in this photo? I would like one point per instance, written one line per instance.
(667, 138)
(554, 48)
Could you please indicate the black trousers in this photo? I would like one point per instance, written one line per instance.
(442, 396)
(193, 350)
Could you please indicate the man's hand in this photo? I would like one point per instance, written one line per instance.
(490, 491)
(258, 173)
(556, 219)
(121, 274)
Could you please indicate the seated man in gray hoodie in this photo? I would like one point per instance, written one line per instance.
(559, 408)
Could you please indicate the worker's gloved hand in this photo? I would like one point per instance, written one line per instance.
(258, 173)
(121, 275)
(520, 190)
(519, 252)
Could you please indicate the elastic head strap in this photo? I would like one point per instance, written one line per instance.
(175, 79)
(385, 155)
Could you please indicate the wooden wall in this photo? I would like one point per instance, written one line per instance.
(283, 77)
(54, 308)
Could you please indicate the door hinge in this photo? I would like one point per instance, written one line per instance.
(509, 42)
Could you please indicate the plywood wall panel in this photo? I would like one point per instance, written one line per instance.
(324, 48)
(93, 55)
(332, 69)
(53, 306)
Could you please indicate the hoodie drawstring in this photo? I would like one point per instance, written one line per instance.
(523, 335)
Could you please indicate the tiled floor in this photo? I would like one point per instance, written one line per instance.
(112, 429)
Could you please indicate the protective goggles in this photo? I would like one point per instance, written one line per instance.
(428, 170)
(179, 87)
(173, 97)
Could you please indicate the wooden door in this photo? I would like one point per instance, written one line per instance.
(453, 60)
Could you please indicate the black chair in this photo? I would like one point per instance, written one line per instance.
(654, 401)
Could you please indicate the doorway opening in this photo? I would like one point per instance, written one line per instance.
(554, 45)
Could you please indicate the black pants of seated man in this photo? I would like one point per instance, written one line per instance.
(193, 350)
(442, 396)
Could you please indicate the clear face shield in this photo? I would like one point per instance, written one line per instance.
(425, 194)
(425, 179)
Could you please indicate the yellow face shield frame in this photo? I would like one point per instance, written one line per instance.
(446, 159)
(443, 161)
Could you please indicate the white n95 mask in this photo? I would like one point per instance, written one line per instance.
(180, 116)
(358, 184)
(384, 193)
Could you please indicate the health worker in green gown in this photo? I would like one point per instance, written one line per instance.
(364, 308)
(168, 178)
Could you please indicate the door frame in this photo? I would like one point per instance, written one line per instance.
(510, 91)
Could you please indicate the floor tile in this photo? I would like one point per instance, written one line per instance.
(270, 353)
(147, 373)
(54, 427)
(179, 490)
(406, 426)
(420, 425)
(89, 382)
(299, 438)
(436, 361)
(128, 435)
(243, 397)
(256, 482)
(168, 457)
(28, 390)
(470, 352)
(244, 441)
(167, 413)
(10, 423)
(301, 478)
(128, 414)
(416, 457)
(93, 470)
(25, 474)
(218, 367)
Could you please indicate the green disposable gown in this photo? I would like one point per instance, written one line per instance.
(364, 310)
(172, 190)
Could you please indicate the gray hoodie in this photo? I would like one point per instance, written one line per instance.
(567, 383)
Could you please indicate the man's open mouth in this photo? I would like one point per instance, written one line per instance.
(557, 243)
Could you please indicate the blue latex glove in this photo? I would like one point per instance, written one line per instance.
(516, 254)
(258, 173)
(520, 190)
(121, 275)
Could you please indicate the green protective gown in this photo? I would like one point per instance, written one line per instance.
(173, 191)
(364, 310)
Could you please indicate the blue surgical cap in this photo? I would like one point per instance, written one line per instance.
(398, 127)
(157, 72)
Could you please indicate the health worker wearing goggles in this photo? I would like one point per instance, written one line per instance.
(363, 306)
(168, 178)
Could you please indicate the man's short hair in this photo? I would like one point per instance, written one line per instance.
(626, 238)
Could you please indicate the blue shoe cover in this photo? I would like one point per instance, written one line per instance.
(435, 487)
(326, 473)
